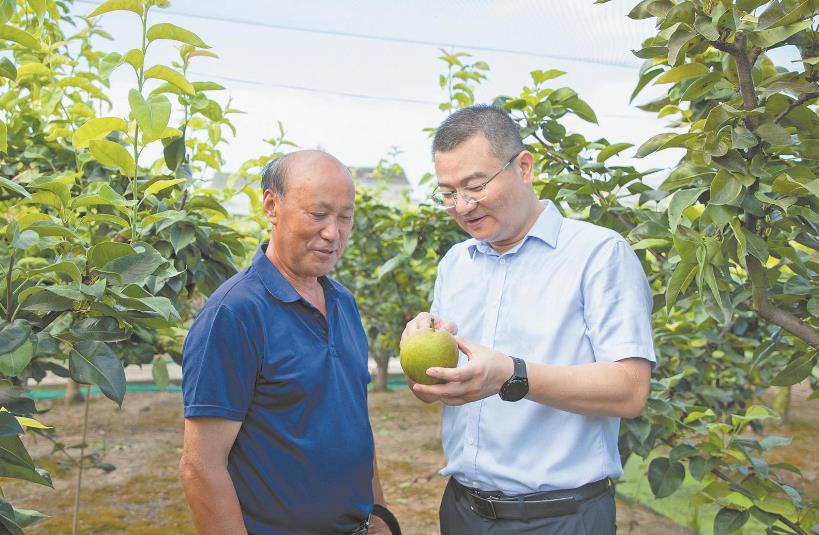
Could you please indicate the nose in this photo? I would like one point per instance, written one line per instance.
(331, 231)
(463, 207)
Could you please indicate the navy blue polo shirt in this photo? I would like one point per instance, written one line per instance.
(260, 354)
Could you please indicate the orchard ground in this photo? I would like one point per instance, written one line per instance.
(142, 496)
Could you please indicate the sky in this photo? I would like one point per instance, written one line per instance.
(358, 78)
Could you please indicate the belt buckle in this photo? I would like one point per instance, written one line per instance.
(484, 507)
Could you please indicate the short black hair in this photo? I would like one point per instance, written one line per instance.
(274, 176)
(494, 123)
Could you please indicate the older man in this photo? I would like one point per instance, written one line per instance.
(277, 438)
(554, 318)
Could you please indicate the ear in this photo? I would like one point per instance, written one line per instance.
(527, 166)
(270, 204)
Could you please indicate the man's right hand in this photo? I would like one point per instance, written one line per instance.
(425, 320)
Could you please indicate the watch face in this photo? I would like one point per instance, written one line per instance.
(515, 389)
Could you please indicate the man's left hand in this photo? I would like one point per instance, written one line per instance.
(378, 527)
(483, 375)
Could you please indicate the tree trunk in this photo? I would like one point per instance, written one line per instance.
(380, 382)
(73, 395)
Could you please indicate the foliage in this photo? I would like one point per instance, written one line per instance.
(103, 254)
(390, 265)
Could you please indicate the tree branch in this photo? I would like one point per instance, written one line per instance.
(795, 104)
(772, 313)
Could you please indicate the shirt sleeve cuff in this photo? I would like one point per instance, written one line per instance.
(215, 411)
(617, 352)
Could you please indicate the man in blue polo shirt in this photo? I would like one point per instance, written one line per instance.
(274, 375)
(554, 320)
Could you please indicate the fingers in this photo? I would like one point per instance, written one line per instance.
(466, 347)
(445, 325)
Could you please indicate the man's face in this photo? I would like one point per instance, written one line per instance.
(313, 221)
(498, 217)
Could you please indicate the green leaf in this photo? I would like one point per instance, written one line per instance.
(756, 245)
(541, 76)
(182, 236)
(7, 9)
(10, 33)
(773, 134)
(581, 109)
(161, 72)
(27, 517)
(680, 279)
(742, 138)
(611, 150)
(134, 6)
(160, 185)
(682, 72)
(12, 364)
(151, 115)
(105, 218)
(13, 335)
(159, 371)
(676, 44)
(9, 426)
(8, 184)
(105, 252)
(681, 200)
(724, 188)
(705, 27)
(17, 463)
(8, 520)
(768, 38)
(7, 69)
(4, 143)
(665, 477)
(702, 85)
(111, 154)
(135, 58)
(93, 362)
(105, 196)
(99, 329)
(202, 202)
(796, 370)
(165, 30)
(134, 269)
(97, 128)
(65, 268)
(645, 78)
(729, 520)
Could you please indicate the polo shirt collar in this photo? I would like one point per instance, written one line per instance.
(546, 229)
(272, 278)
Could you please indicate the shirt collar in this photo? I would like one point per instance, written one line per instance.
(276, 284)
(546, 229)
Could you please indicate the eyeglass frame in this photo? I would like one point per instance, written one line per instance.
(481, 187)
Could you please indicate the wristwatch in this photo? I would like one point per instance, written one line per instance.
(517, 386)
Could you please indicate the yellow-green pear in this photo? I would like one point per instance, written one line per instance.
(427, 348)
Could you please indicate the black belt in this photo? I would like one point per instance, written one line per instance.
(494, 505)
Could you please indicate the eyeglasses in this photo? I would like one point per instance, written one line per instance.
(470, 194)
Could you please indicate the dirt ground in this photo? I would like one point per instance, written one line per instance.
(142, 496)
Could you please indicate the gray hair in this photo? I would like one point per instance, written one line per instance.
(494, 123)
(274, 175)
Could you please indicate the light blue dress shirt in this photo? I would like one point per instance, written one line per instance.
(569, 293)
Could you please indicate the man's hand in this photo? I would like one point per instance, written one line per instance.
(378, 526)
(483, 376)
(425, 320)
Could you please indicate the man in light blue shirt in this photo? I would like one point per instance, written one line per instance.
(553, 318)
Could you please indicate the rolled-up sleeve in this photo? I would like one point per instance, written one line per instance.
(617, 304)
(219, 366)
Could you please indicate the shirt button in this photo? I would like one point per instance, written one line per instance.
(502, 260)
(470, 440)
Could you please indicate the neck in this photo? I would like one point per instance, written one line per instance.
(502, 246)
(302, 284)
